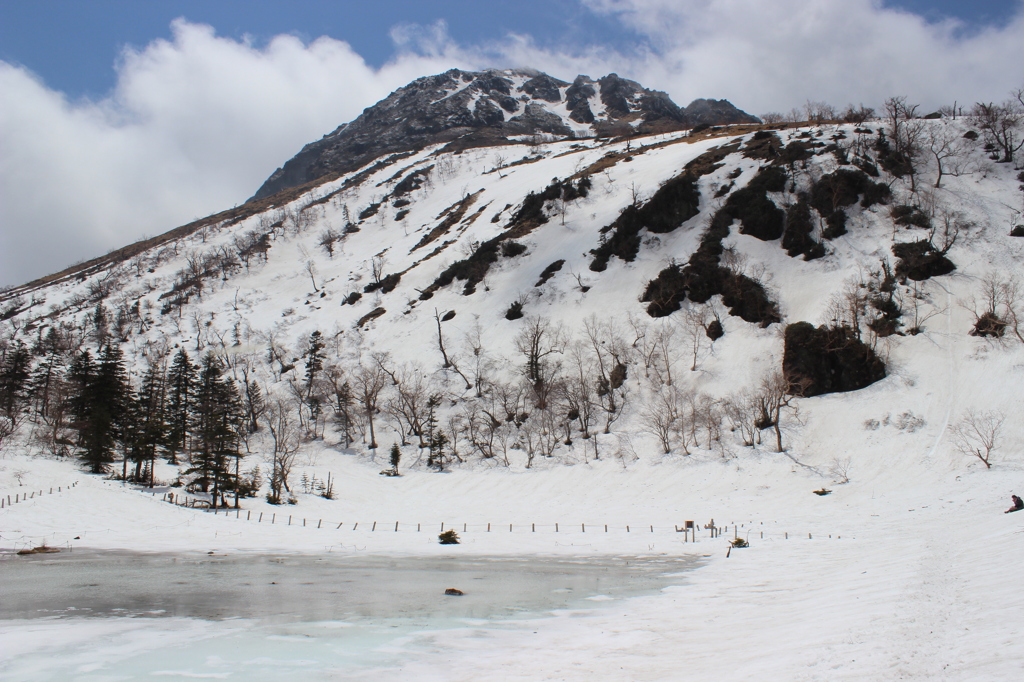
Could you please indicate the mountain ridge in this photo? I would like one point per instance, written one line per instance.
(488, 108)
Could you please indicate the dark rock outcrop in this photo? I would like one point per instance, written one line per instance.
(479, 109)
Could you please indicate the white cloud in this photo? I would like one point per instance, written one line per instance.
(776, 55)
(195, 124)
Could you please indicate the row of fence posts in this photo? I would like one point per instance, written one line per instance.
(689, 530)
(21, 497)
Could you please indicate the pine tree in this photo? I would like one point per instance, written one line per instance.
(150, 421)
(314, 365)
(396, 457)
(343, 402)
(314, 360)
(181, 389)
(255, 406)
(47, 373)
(436, 438)
(80, 376)
(105, 410)
(218, 423)
(14, 375)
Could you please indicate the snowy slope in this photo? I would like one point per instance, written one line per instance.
(906, 571)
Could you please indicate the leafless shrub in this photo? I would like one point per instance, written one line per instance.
(977, 433)
(839, 470)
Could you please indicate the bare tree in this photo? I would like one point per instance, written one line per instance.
(662, 416)
(694, 323)
(742, 412)
(536, 342)
(644, 342)
(977, 434)
(1000, 123)
(377, 265)
(947, 147)
(7, 428)
(286, 440)
(858, 115)
(905, 130)
(408, 406)
(839, 469)
(577, 391)
(369, 381)
(481, 359)
(819, 112)
(310, 268)
(449, 363)
(997, 306)
(328, 238)
(774, 394)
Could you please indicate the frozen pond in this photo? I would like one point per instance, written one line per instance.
(321, 616)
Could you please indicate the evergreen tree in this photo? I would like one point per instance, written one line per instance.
(219, 419)
(81, 375)
(314, 365)
(150, 427)
(436, 438)
(343, 402)
(47, 373)
(14, 375)
(396, 457)
(314, 360)
(255, 406)
(104, 410)
(181, 390)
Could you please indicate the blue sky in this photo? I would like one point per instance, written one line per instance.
(74, 44)
(125, 118)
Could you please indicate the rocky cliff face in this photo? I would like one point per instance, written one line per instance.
(486, 108)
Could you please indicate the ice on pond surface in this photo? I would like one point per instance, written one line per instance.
(116, 615)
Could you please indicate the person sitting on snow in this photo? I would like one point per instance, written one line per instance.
(1018, 504)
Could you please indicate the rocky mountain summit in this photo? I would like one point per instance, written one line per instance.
(486, 108)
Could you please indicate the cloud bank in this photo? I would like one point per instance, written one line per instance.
(195, 124)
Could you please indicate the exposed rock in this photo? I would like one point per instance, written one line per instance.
(468, 109)
(716, 112)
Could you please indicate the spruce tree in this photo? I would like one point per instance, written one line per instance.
(343, 402)
(255, 405)
(47, 373)
(80, 376)
(314, 360)
(219, 419)
(181, 389)
(14, 375)
(314, 364)
(150, 422)
(105, 407)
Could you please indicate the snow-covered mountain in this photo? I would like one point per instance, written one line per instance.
(489, 108)
(651, 323)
